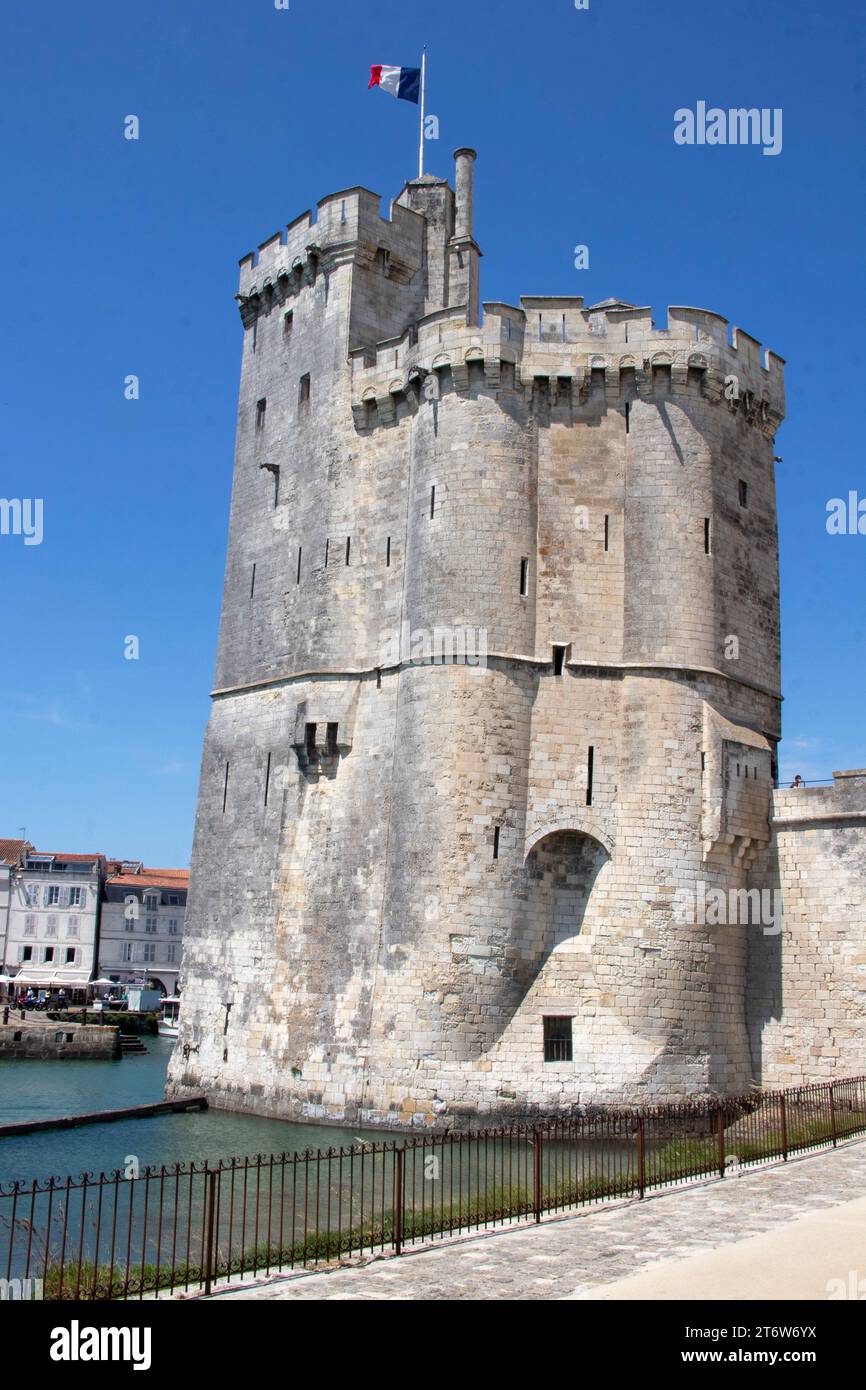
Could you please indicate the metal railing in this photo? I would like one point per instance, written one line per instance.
(198, 1226)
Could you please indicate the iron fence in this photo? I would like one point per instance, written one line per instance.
(191, 1227)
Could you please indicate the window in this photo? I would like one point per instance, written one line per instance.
(49, 954)
(52, 895)
(51, 926)
(26, 953)
(310, 740)
(150, 925)
(496, 842)
(557, 1039)
(126, 951)
(30, 926)
(590, 763)
(744, 493)
(432, 502)
(151, 902)
(72, 926)
(558, 660)
(388, 552)
(173, 899)
(524, 577)
(348, 548)
(304, 389)
(76, 898)
(708, 535)
(129, 924)
(172, 926)
(31, 894)
(607, 531)
(288, 320)
(171, 954)
(332, 740)
(70, 955)
(261, 407)
(150, 950)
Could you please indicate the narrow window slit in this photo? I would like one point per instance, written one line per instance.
(524, 577)
(606, 531)
(496, 842)
(225, 788)
(348, 547)
(707, 535)
(590, 767)
(267, 778)
(388, 552)
(253, 582)
(432, 501)
(300, 553)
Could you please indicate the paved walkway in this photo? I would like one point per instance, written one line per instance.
(777, 1233)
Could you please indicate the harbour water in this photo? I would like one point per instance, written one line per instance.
(32, 1089)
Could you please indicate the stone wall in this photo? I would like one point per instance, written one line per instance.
(807, 998)
(57, 1040)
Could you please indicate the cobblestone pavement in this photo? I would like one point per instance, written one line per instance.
(577, 1256)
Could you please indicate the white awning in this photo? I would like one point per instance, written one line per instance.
(46, 975)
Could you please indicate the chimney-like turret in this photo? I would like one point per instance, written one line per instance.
(463, 253)
(464, 159)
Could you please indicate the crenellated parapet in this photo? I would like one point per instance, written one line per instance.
(348, 229)
(556, 352)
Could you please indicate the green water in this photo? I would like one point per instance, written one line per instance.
(31, 1089)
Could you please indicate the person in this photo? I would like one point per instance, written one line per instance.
(798, 781)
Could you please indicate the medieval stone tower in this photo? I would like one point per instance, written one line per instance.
(497, 688)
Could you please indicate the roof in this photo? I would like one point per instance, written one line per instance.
(63, 858)
(11, 851)
(152, 878)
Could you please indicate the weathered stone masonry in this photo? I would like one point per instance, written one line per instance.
(404, 864)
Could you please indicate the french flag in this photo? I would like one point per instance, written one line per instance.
(404, 83)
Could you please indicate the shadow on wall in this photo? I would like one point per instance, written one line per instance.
(555, 885)
(765, 997)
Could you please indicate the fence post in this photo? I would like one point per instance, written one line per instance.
(398, 1201)
(783, 1115)
(641, 1158)
(209, 1235)
(536, 1173)
(832, 1114)
(720, 1135)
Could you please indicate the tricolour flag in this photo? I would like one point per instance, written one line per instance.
(400, 82)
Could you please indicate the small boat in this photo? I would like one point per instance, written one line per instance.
(168, 1020)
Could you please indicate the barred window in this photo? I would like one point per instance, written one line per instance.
(557, 1039)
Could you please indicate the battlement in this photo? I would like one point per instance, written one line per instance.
(557, 343)
(350, 221)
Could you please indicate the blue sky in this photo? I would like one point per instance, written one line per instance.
(121, 257)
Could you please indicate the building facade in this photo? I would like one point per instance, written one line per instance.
(53, 920)
(497, 691)
(141, 928)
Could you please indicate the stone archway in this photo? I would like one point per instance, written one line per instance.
(559, 878)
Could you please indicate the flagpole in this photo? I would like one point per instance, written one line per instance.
(421, 137)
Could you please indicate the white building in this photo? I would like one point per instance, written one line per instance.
(141, 929)
(53, 920)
